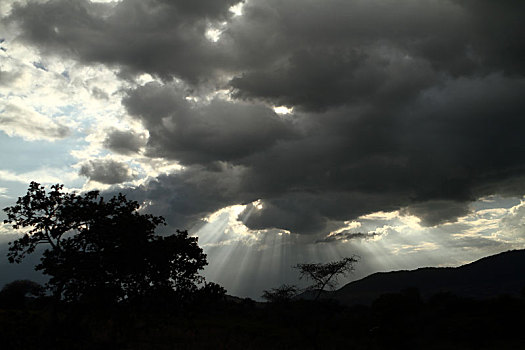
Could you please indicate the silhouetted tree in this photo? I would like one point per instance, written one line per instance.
(326, 275)
(281, 294)
(209, 293)
(13, 295)
(103, 250)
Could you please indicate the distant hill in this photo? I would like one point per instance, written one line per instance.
(495, 275)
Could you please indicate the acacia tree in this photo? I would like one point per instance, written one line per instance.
(326, 275)
(102, 249)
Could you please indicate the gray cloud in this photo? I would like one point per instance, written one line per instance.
(345, 52)
(8, 77)
(469, 242)
(411, 105)
(347, 235)
(447, 147)
(106, 171)
(125, 142)
(203, 133)
(99, 93)
(165, 38)
(326, 53)
(433, 213)
(186, 197)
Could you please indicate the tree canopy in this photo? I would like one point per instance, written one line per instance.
(97, 248)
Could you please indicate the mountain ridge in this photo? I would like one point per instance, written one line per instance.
(491, 276)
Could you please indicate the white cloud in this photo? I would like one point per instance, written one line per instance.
(414, 248)
(30, 125)
(3, 192)
(43, 175)
(512, 226)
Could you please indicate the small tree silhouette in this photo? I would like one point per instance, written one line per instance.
(13, 294)
(103, 250)
(281, 294)
(326, 275)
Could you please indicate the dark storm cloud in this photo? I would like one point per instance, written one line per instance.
(455, 143)
(411, 105)
(106, 171)
(125, 142)
(433, 213)
(164, 38)
(203, 133)
(188, 196)
(306, 53)
(311, 212)
(317, 54)
(433, 155)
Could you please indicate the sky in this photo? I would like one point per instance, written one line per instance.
(277, 131)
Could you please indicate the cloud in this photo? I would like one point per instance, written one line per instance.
(45, 175)
(165, 38)
(126, 142)
(433, 213)
(186, 197)
(474, 242)
(106, 171)
(414, 106)
(30, 125)
(336, 53)
(7, 77)
(432, 155)
(202, 133)
(346, 236)
(512, 228)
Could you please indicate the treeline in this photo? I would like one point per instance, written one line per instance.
(398, 320)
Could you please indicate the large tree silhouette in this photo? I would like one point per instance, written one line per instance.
(102, 249)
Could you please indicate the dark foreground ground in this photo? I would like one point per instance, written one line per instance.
(394, 321)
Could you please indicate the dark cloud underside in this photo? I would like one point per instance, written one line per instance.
(216, 131)
(106, 171)
(412, 105)
(124, 142)
(165, 38)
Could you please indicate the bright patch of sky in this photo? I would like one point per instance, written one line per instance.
(213, 34)
(215, 30)
(34, 155)
(283, 110)
(237, 9)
